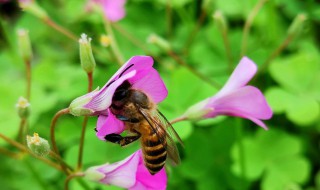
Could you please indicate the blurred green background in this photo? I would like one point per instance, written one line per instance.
(224, 153)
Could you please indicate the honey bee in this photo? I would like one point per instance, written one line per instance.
(144, 121)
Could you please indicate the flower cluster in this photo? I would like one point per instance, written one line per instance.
(236, 98)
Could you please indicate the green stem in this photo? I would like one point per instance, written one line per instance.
(275, 53)
(84, 126)
(70, 177)
(113, 45)
(28, 78)
(247, 25)
(60, 29)
(194, 71)
(22, 131)
(169, 18)
(195, 30)
(52, 134)
(239, 133)
(25, 150)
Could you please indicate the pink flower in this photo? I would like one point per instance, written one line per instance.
(112, 9)
(129, 173)
(138, 71)
(236, 98)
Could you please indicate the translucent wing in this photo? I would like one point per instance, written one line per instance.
(157, 121)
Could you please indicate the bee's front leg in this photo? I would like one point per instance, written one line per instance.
(123, 141)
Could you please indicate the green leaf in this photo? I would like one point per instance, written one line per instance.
(273, 156)
(303, 111)
(279, 99)
(296, 72)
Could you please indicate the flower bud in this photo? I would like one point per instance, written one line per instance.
(220, 20)
(77, 106)
(32, 7)
(86, 57)
(38, 145)
(159, 41)
(297, 24)
(105, 40)
(24, 44)
(23, 107)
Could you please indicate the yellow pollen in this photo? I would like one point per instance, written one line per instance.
(105, 40)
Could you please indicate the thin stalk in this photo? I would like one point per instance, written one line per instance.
(70, 177)
(131, 38)
(28, 78)
(239, 134)
(60, 29)
(275, 53)
(84, 126)
(25, 150)
(247, 25)
(169, 18)
(113, 45)
(226, 43)
(21, 134)
(52, 134)
(192, 70)
(196, 29)
(60, 160)
(9, 153)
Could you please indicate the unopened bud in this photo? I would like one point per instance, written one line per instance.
(297, 24)
(105, 40)
(220, 20)
(86, 57)
(159, 41)
(38, 145)
(32, 7)
(23, 107)
(24, 44)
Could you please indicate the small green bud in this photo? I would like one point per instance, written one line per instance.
(38, 145)
(77, 108)
(220, 20)
(24, 44)
(105, 40)
(297, 24)
(86, 57)
(32, 7)
(23, 107)
(159, 41)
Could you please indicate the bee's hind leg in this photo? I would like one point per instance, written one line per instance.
(123, 141)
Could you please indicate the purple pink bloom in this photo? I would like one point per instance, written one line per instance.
(113, 9)
(129, 173)
(236, 98)
(138, 71)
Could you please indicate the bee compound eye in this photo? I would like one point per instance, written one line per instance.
(119, 95)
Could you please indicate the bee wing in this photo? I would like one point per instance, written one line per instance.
(158, 120)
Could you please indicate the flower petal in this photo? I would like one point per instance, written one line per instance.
(141, 64)
(242, 74)
(152, 85)
(108, 125)
(122, 174)
(102, 100)
(247, 102)
(147, 181)
(113, 10)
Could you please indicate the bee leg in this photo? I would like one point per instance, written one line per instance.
(123, 141)
(114, 138)
(129, 139)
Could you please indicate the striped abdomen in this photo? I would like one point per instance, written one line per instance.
(154, 152)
